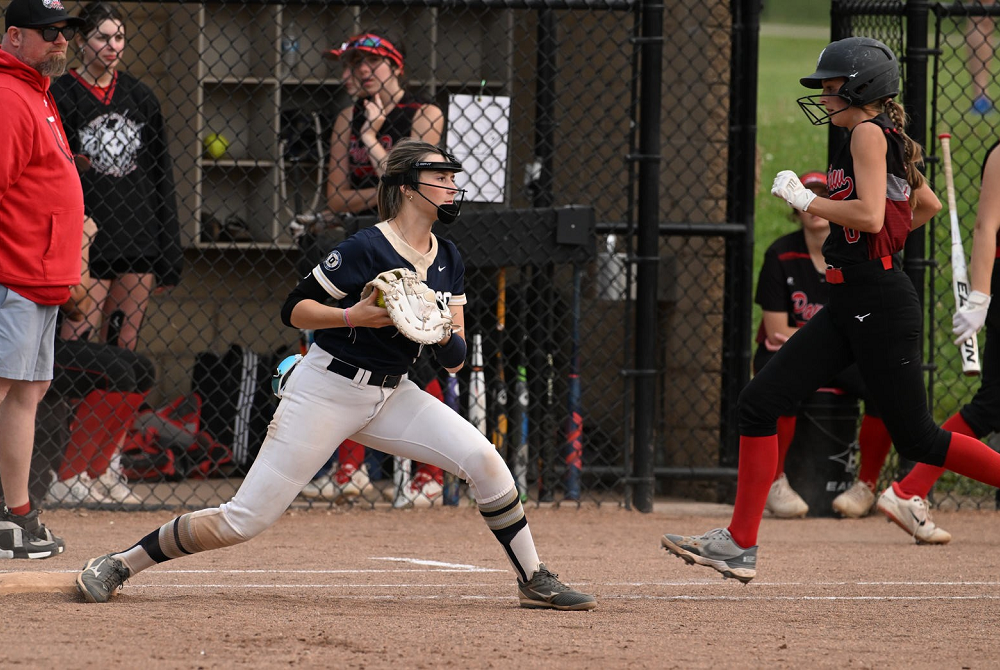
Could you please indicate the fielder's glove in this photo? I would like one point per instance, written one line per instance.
(787, 185)
(969, 319)
(413, 307)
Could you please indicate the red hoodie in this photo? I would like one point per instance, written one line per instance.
(41, 200)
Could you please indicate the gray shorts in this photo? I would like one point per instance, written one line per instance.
(27, 337)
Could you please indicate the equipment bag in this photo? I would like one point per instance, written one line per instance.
(237, 404)
(169, 445)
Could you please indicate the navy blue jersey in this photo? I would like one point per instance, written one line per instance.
(846, 246)
(790, 283)
(359, 259)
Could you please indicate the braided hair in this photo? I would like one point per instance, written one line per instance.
(913, 155)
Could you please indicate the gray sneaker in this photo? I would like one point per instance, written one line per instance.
(23, 536)
(715, 549)
(544, 591)
(101, 578)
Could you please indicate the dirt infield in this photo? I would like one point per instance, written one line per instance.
(430, 588)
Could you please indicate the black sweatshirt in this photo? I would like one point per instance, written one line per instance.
(129, 189)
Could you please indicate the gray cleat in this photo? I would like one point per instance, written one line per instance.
(544, 591)
(101, 578)
(715, 549)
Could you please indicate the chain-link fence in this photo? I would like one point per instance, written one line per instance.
(951, 45)
(223, 154)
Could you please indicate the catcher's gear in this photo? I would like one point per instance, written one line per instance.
(869, 66)
(413, 307)
(282, 373)
(787, 185)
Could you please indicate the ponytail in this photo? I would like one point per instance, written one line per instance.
(913, 155)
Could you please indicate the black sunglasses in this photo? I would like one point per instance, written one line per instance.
(50, 33)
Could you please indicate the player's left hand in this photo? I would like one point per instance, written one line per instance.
(774, 341)
(787, 186)
(970, 318)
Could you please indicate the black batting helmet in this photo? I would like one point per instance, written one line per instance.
(870, 67)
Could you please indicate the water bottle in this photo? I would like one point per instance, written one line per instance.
(291, 49)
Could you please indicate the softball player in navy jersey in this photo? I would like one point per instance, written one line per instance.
(352, 384)
(874, 318)
(982, 415)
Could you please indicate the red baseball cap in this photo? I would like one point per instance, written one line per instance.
(369, 43)
(813, 178)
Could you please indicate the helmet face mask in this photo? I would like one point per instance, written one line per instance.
(869, 67)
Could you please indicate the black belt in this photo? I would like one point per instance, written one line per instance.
(345, 369)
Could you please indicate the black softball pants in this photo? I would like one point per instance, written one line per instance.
(873, 320)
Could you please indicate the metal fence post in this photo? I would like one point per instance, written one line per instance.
(915, 104)
(647, 261)
(737, 313)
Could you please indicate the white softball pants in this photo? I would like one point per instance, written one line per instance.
(319, 409)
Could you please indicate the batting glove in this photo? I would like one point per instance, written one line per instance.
(969, 319)
(787, 185)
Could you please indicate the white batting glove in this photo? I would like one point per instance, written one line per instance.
(787, 185)
(969, 319)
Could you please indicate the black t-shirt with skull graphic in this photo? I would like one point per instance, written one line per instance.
(129, 188)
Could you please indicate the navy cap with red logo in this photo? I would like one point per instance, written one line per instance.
(38, 14)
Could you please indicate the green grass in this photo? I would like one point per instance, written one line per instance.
(786, 140)
(797, 12)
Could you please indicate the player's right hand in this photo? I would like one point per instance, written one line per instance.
(367, 313)
(970, 318)
(787, 186)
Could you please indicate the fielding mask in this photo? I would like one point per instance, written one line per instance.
(445, 213)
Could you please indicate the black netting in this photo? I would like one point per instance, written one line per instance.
(961, 83)
(541, 104)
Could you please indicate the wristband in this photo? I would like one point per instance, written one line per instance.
(452, 354)
(348, 321)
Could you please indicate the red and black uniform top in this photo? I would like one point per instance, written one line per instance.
(844, 246)
(397, 126)
(790, 283)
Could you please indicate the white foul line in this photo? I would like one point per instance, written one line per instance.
(437, 564)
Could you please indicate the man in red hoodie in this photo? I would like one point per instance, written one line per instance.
(41, 233)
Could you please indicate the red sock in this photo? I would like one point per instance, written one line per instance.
(93, 414)
(875, 443)
(786, 433)
(126, 406)
(758, 457)
(21, 510)
(351, 453)
(431, 471)
(971, 458)
(923, 477)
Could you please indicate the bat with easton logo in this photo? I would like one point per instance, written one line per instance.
(959, 271)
